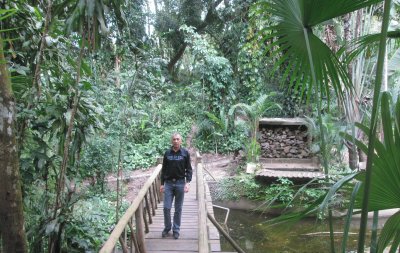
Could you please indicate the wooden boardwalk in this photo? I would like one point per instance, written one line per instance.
(188, 240)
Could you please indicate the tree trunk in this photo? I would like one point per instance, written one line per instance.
(117, 71)
(362, 157)
(207, 20)
(12, 232)
(55, 240)
(36, 78)
(352, 110)
(331, 37)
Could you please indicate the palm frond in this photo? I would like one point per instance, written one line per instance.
(222, 122)
(369, 42)
(7, 13)
(394, 63)
(90, 11)
(294, 22)
(390, 233)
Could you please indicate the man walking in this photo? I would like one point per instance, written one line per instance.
(176, 174)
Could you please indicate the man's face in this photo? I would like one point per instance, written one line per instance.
(176, 141)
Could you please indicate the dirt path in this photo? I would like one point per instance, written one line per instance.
(217, 166)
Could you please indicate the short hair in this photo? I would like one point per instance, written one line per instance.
(176, 134)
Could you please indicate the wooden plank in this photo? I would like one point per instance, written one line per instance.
(215, 245)
(171, 244)
(188, 239)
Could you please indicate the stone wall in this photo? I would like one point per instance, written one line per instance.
(286, 141)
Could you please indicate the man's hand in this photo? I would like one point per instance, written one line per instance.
(187, 186)
(162, 188)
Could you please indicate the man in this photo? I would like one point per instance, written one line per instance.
(176, 174)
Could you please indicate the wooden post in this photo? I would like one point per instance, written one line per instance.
(204, 246)
(140, 228)
(152, 200)
(198, 160)
(133, 238)
(146, 224)
(156, 192)
(123, 245)
(148, 208)
(157, 185)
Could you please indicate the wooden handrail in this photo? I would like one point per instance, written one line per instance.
(204, 246)
(225, 234)
(135, 211)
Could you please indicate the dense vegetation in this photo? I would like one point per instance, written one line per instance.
(90, 88)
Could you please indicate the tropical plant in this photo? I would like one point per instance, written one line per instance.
(214, 127)
(313, 65)
(251, 114)
(385, 175)
(214, 71)
(385, 179)
(281, 191)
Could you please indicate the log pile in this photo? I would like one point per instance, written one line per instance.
(284, 142)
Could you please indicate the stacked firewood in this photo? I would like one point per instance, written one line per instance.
(284, 142)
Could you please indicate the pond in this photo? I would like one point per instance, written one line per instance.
(310, 235)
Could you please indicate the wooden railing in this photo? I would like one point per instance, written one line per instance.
(204, 246)
(134, 223)
(131, 228)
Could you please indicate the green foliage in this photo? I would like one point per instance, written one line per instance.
(91, 223)
(253, 150)
(251, 114)
(216, 133)
(333, 141)
(135, 108)
(281, 191)
(208, 141)
(252, 68)
(97, 160)
(238, 187)
(385, 177)
(214, 71)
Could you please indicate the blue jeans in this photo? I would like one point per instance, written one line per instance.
(173, 190)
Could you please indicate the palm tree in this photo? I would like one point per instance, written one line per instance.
(215, 127)
(252, 114)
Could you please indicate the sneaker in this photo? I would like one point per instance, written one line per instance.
(164, 233)
(176, 235)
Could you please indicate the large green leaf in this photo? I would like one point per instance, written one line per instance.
(87, 13)
(293, 30)
(390, 233)
(385, 179)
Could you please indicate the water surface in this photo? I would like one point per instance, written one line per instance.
(310, 235)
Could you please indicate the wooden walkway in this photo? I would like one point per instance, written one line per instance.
(188, 239)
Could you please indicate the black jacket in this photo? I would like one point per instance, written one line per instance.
(176, 165)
